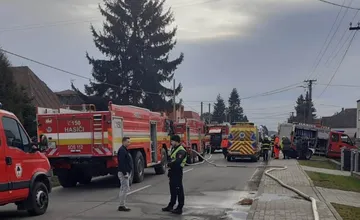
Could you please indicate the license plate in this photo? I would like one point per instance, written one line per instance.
(52, 144)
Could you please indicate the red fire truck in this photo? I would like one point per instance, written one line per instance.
(192, 132)
(84, 144)
(24, 171)
(217, 133)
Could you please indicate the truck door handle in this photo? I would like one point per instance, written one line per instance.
(8, 160)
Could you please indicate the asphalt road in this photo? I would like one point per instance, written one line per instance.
(211, 193)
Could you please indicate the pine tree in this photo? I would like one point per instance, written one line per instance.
(302, 110)
(137, 44)
(218, 114)
(14, 98)
(235, 111)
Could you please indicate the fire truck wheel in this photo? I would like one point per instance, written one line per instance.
(229, 158)
(67, 180)
(254, 158)
(38, 199)
(161, 168)
(85, 179)
(139, 166)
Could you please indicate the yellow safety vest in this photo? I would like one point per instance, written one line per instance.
(173, 155)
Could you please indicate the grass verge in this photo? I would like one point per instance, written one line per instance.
(347, 212)
(346, 183)
(325, 164)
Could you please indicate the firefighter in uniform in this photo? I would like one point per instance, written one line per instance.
(176, 164)
(272, 146)
(265, 147)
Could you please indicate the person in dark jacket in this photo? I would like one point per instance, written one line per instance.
(286, 143)
(124, 172)
(265, 147)
(176, 164)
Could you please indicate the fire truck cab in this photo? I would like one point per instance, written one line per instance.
(84, 143)
(24, 170)
(336, 141)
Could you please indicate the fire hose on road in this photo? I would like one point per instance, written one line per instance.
(267, 173)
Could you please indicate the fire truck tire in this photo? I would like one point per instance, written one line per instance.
(308, 155)
(38, 199)
(229, 158)
(85, 179)
(67, 180)
(139, 166)
(255, 158)
(161, 168)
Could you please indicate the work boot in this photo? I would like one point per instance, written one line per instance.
(123, 209)
(177, 211)
(167, 209)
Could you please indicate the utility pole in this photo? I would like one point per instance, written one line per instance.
(310, 84)
(354, 28)
(174, 102)
(201, 113)
(209, 113)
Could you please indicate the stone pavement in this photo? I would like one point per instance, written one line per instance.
(327, 171)
(340, 197)
(275, 202)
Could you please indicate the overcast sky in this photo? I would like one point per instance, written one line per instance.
(253, 45)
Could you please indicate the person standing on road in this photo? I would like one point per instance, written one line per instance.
(124, 172)
(176, 164)
(224, 146)
(265, 147)
(286, 143)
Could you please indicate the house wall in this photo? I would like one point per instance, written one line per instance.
(358, 120)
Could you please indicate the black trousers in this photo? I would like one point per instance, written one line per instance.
(176, 189)
(224, 150)
(265, 154)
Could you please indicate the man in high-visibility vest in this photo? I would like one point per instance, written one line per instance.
(224, 146)
(272, 146)
(176, 164)
(276, 147)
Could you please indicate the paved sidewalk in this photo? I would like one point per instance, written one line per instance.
(278, 203)
(340, 196)
(327, 171)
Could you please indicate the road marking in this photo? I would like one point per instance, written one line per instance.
(137, 190)
(188, 170)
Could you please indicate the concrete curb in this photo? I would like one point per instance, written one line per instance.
(261, 189)
(319, 195)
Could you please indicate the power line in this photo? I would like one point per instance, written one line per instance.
(333, 36)
(71, 73)
(135, 90)
(337, 69)
(335, 4)
(271, 92)
(339, 85)
(319, 57)
(343, 35)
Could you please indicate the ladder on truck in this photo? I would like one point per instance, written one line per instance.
(98, 126)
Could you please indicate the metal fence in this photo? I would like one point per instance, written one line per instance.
(350, 160)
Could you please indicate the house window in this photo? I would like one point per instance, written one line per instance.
(359, 115)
